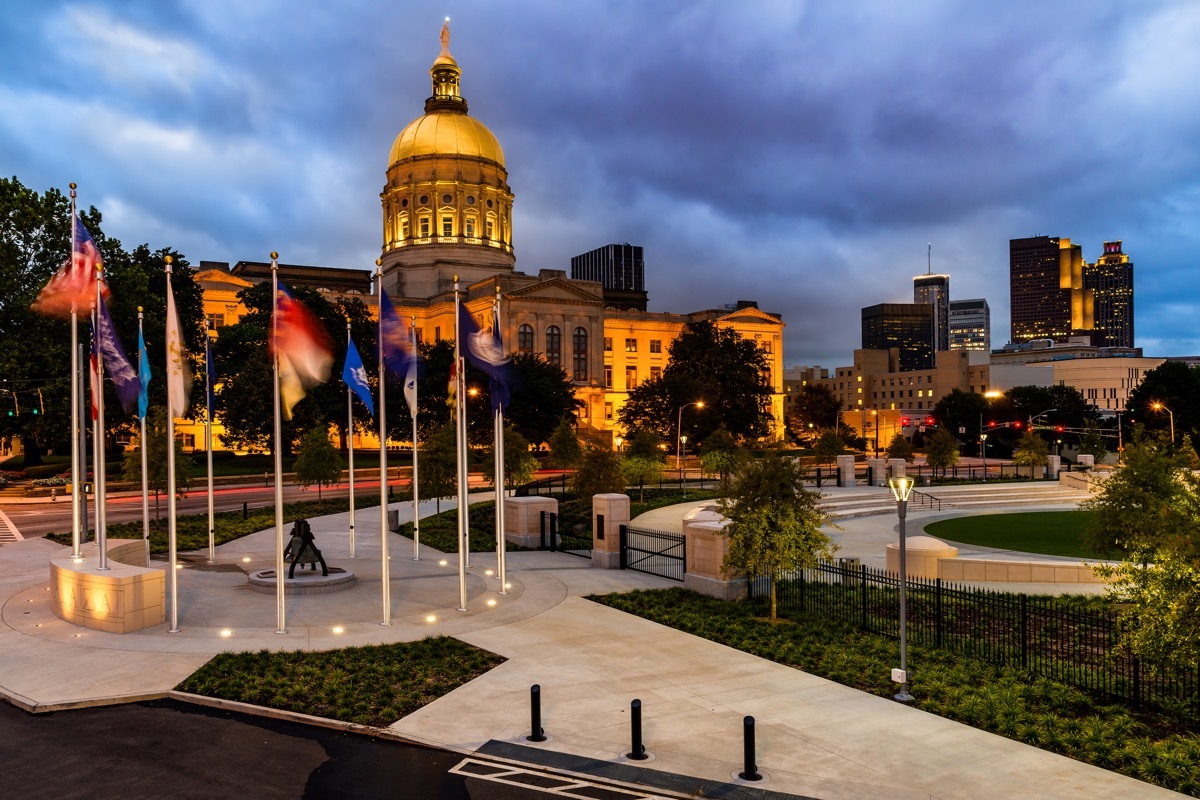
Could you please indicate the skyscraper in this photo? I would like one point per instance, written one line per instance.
(620, 269)
(908, 326)
(970, 325)
(935, 291)
(1110, 280)
(1047, 296)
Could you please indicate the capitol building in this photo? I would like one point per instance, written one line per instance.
(447, 211)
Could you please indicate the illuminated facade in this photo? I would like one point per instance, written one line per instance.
(906, 326)
(1110, 280)
(934, 290)
(970, 325)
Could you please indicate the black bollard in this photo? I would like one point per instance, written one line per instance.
(535, 714)
(245, 510)
(638, 750)
(749, 768)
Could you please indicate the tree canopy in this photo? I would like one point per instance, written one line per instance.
(1175, 386)
(813, 409)
(706, 364)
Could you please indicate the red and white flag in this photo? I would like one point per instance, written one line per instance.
(303, 347)
(73, 286)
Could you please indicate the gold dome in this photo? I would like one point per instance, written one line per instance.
(446, 133)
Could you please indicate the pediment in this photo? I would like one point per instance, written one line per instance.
(750, 316)
(218, 280)
(555, 290)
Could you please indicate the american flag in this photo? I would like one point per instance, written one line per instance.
(74, 284)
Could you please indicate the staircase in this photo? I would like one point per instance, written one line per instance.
(866, 501)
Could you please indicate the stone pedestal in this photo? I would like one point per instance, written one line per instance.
(609, 513)
(121, 599)
(1053, 466)
(921, 556)
(845, 471)
(706, 549)
(1087, 461)
(523, 519)
(896, 467)
(877, 471)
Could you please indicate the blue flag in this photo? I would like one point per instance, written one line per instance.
(485, 351)
(354, 375)
(143, 377)
(116, 363)
(210, 377)
(396, 353)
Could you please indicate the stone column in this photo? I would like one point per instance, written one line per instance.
(877, 471)
(845, 471)
(1086, 461)
(609, 513)
(1053, 465)
(706, 548)
(897, 467)
(523, 519)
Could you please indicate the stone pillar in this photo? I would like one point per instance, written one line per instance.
(896, 467)
(609, 513)
(523, 519)
(706, 549)
(877, 471)
(1086, 461)
(845, 471)
(1053, 465)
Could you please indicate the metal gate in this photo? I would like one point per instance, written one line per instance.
(574, 541)
(654, 552)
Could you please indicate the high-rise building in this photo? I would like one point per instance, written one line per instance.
(907, 326)
(970, 325)
(1047, 296)
(1110, 280)
(935, 291)
(620, 269)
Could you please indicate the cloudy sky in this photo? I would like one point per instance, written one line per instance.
(799, 154)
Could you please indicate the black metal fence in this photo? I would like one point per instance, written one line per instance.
(654, 552)
(827, 475)
(1049, 636)
(572, 538)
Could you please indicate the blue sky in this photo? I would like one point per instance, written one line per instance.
(799, 154)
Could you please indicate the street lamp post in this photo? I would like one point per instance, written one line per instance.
(901, 489)
(875, 424)
(983, 453)
(1157, 406)
(679, 432)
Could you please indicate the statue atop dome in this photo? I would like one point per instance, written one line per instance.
(445, 38)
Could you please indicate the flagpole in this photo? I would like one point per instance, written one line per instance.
(412, 330)
(385, 567)
(350, 441)
(98, 434)
(280, 588)
(142, 446)
(501, 542)
(77, 519)
(208, 393)
(172, 500)
(81, 444)
(460, 436)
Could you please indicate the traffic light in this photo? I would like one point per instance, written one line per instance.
(1060, 428)
(930, 421)
(12, 413)
(1017, 425)
(35, 411)
(906, 422)
(992, 424)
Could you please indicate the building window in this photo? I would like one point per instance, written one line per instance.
(579, 348)
(554, 345)
(655, 373)
(424, 227)
(582, 413)
(470, 229)
(656, 345)
(608, 376)
(188, 440)
(216, 321)
(631, 345)
(608, 344)
(768, 347)
(630, 378)
(608, 411)
(525, 339)
(487, 226)
(447, 226)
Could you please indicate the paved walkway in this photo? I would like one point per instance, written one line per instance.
(815, 738)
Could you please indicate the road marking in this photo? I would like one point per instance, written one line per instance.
(8, 531)
(547, 783)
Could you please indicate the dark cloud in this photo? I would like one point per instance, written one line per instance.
(798, 154)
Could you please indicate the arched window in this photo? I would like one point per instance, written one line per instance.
(579, 349)
(525, 339)
(554, 345)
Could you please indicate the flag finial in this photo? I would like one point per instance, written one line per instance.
(274, 255)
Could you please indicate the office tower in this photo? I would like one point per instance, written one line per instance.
(620, 269)
(970, 325)
(1047, 297)
(935, 290)
(1110, 280)
(908, 326)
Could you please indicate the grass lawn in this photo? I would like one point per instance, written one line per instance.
(374, 685)
(1163, 749)
(1053, 533)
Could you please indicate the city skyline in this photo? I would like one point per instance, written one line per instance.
(801, 156)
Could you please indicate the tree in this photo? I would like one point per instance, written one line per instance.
(942, 452)
(599, 473)
(565, 450)
(814, 407)
(709, 364)
(900, 447)
(774, 522)
(156, 459)
(1031, 451)
(829, 446)
(318, 461)
(960, 409)
(721, 455)
(520, 465)
(1092, 443)
(644, 444)
(1150, 509)
(438, 476)
(1176, 386)
(638, 471)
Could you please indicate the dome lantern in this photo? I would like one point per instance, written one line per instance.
(445, 75)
